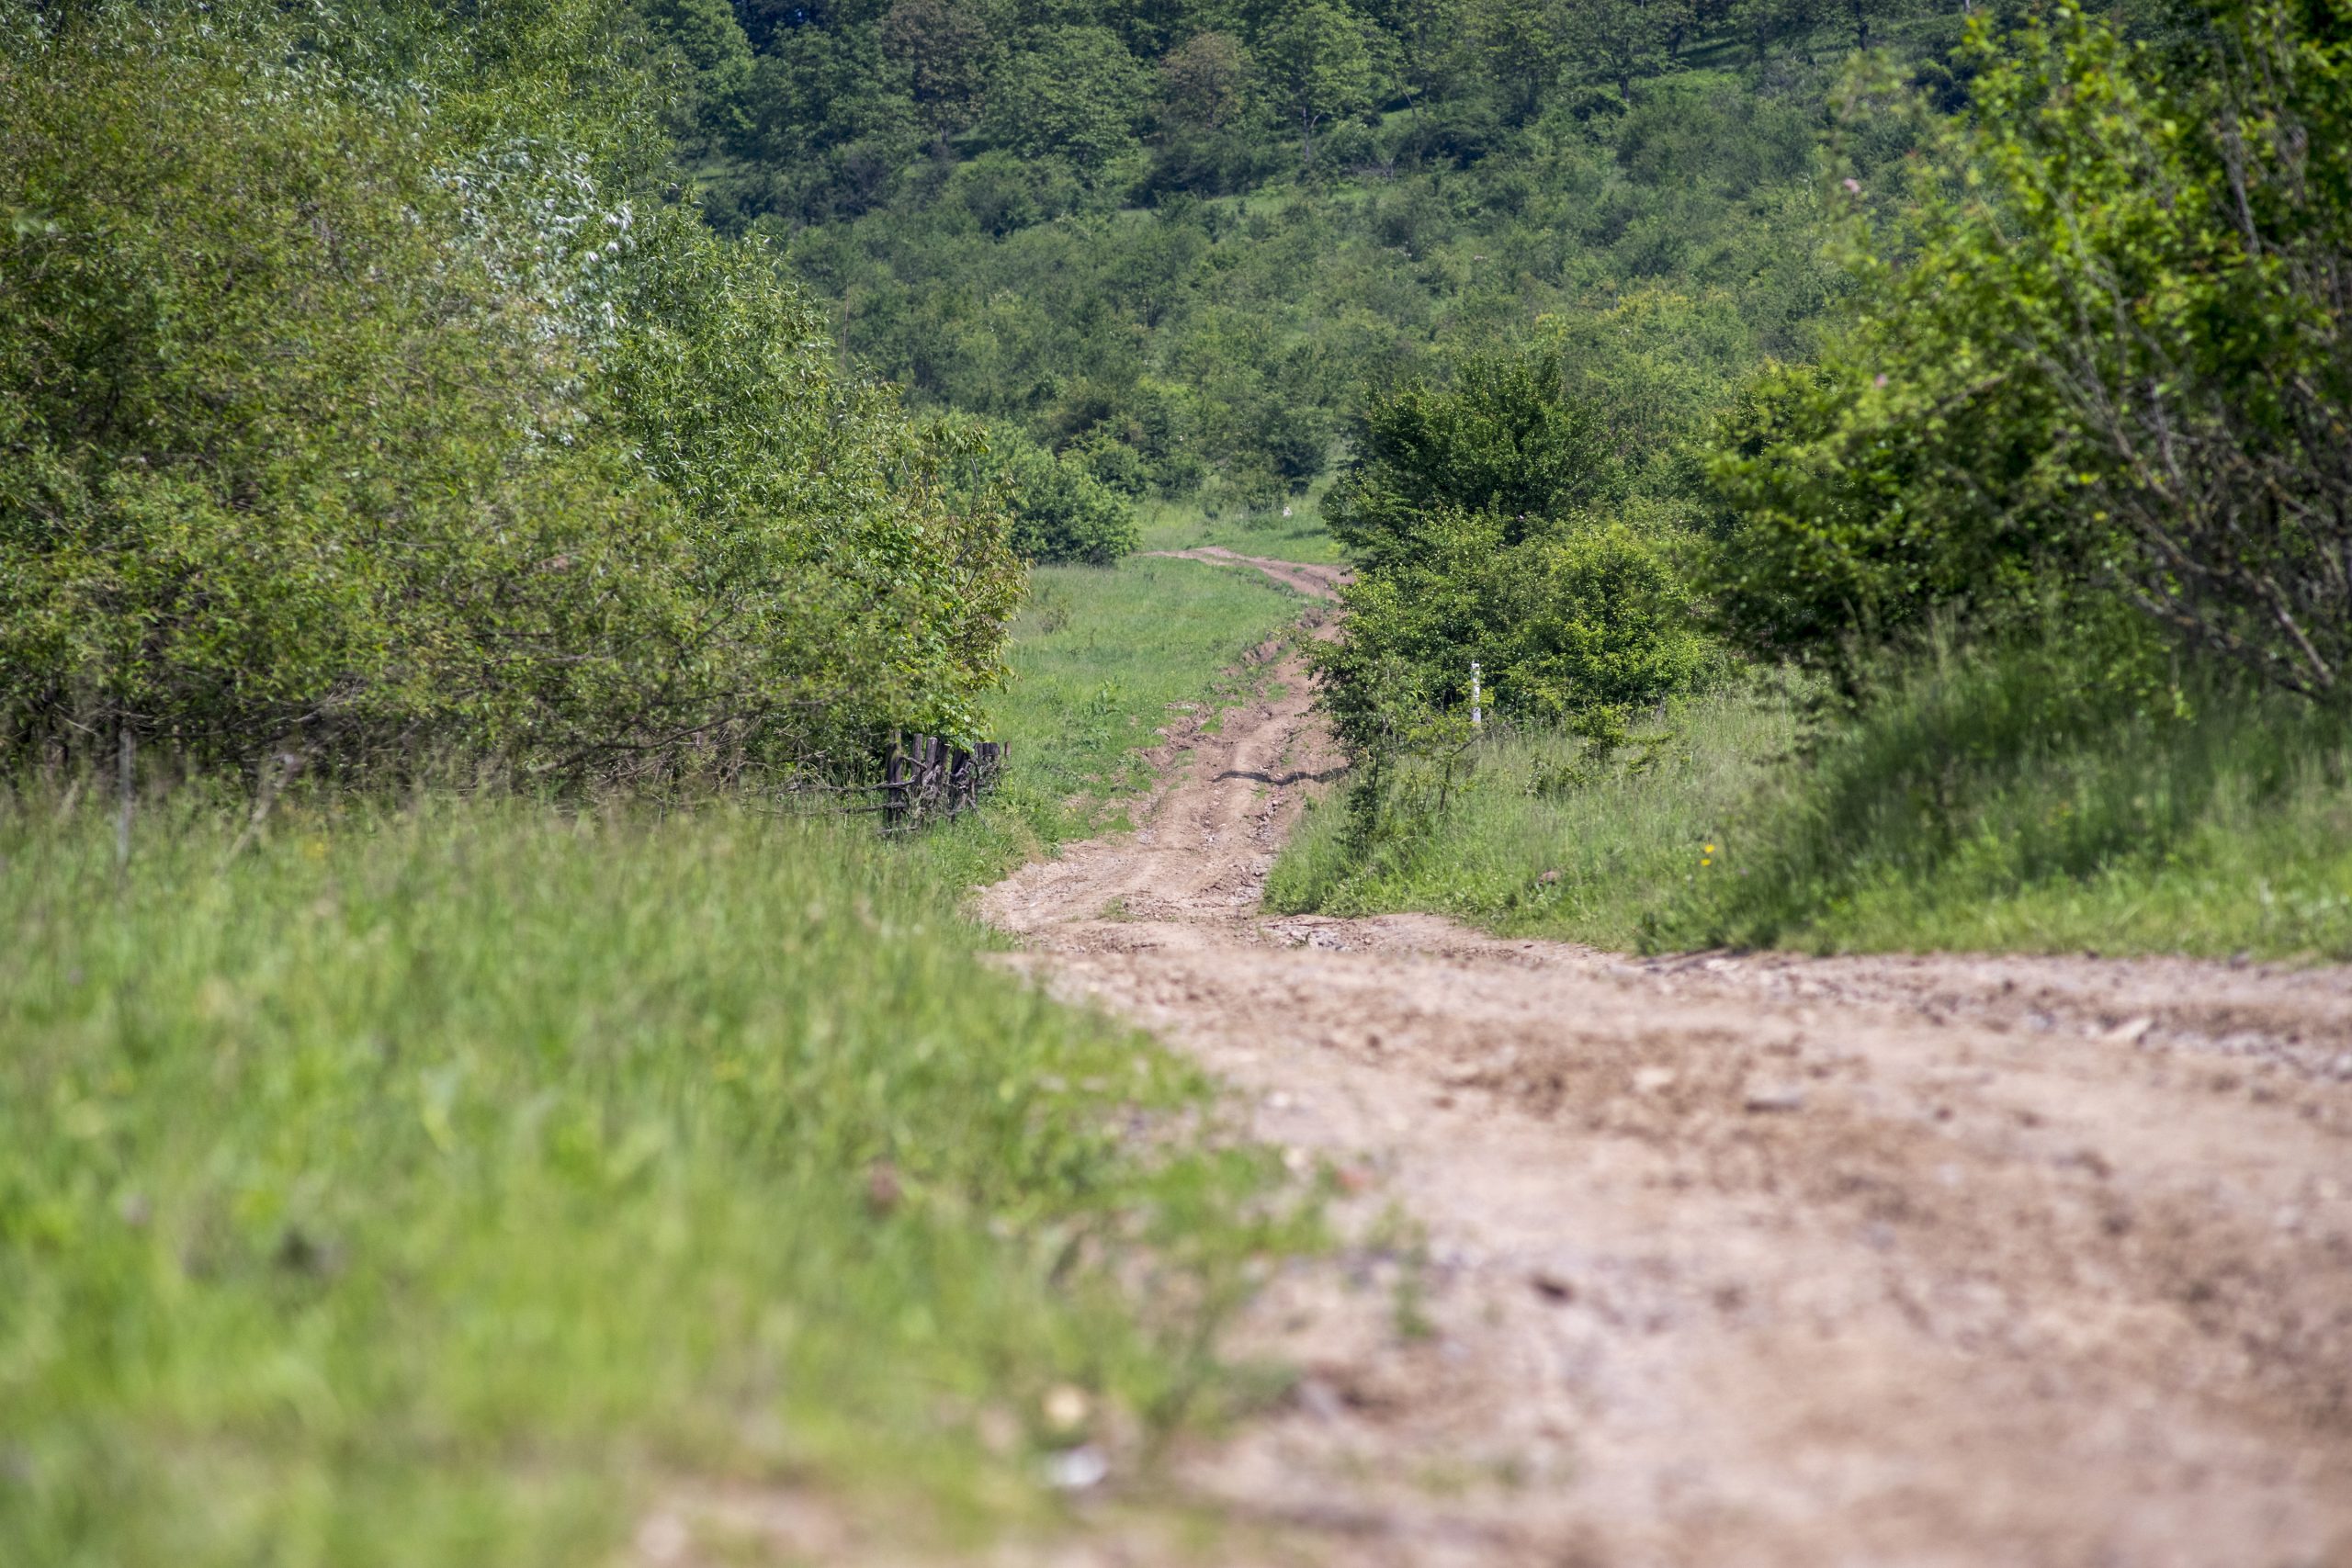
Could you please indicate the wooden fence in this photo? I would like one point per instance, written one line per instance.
(931, 778)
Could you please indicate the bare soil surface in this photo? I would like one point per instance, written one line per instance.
(1741, 1260)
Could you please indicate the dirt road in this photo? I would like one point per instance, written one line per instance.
(1747, 1260)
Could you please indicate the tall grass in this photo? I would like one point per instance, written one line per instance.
(1538, 838)
(1997, 801)
(1288, 529)
(436, 1187)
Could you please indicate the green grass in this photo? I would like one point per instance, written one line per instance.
(1100, 656)
(1979, 805)
(440, 1185)
(1250, 531)
(1614, 844)
(1993, 804)
(435, 1188)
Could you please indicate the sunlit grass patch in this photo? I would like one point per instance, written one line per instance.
(1292, 529)
(1979, 804)
(1971, 807)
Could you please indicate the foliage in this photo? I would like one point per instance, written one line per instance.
(1317, 67)
(1058, 509)
(1061, 512)
(1841, 544)
(1582, 623)
(433, 1188)
(1204, 82)
(2044, 517)
(948, 53)
(353, 419)
(1504, 439)
(706, 63)
(1497, 524)
(2104, 355)
(1200, 230)
(1075, 94)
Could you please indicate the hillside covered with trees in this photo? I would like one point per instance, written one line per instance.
(1173, 242)
(2039, 540)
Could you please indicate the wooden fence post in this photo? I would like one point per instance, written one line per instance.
(928, 774)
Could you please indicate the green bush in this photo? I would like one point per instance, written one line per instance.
(1504, 438)
(2101, 357)
(1586, 623)
(1061, 512)
(345, 430)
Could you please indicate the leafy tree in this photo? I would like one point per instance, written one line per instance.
(1204, 82)
(948, 50)
(345, 431)
(1861, 15)
(1431, 37)
(998, 276)
(710, 62)
(1525, 45)
(818, 89)
(1504, 439)
(2105, 356)
(1620, 41)
(1074, 93)
(1583, 623)
(1061, 512)
(1317, 68)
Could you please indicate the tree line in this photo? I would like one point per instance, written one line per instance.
(1173, 245)
(810, 112)
(365, 408)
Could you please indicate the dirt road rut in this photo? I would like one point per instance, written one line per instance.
(1746, 1261)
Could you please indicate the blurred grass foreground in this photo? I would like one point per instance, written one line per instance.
(440, 1185)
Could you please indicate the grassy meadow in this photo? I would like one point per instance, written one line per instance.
(1974, 807)
(1264, 531)
(448, 1181)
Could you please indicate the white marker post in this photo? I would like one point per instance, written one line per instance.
(1475, 718)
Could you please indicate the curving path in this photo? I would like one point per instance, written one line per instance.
(1744, 1260)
